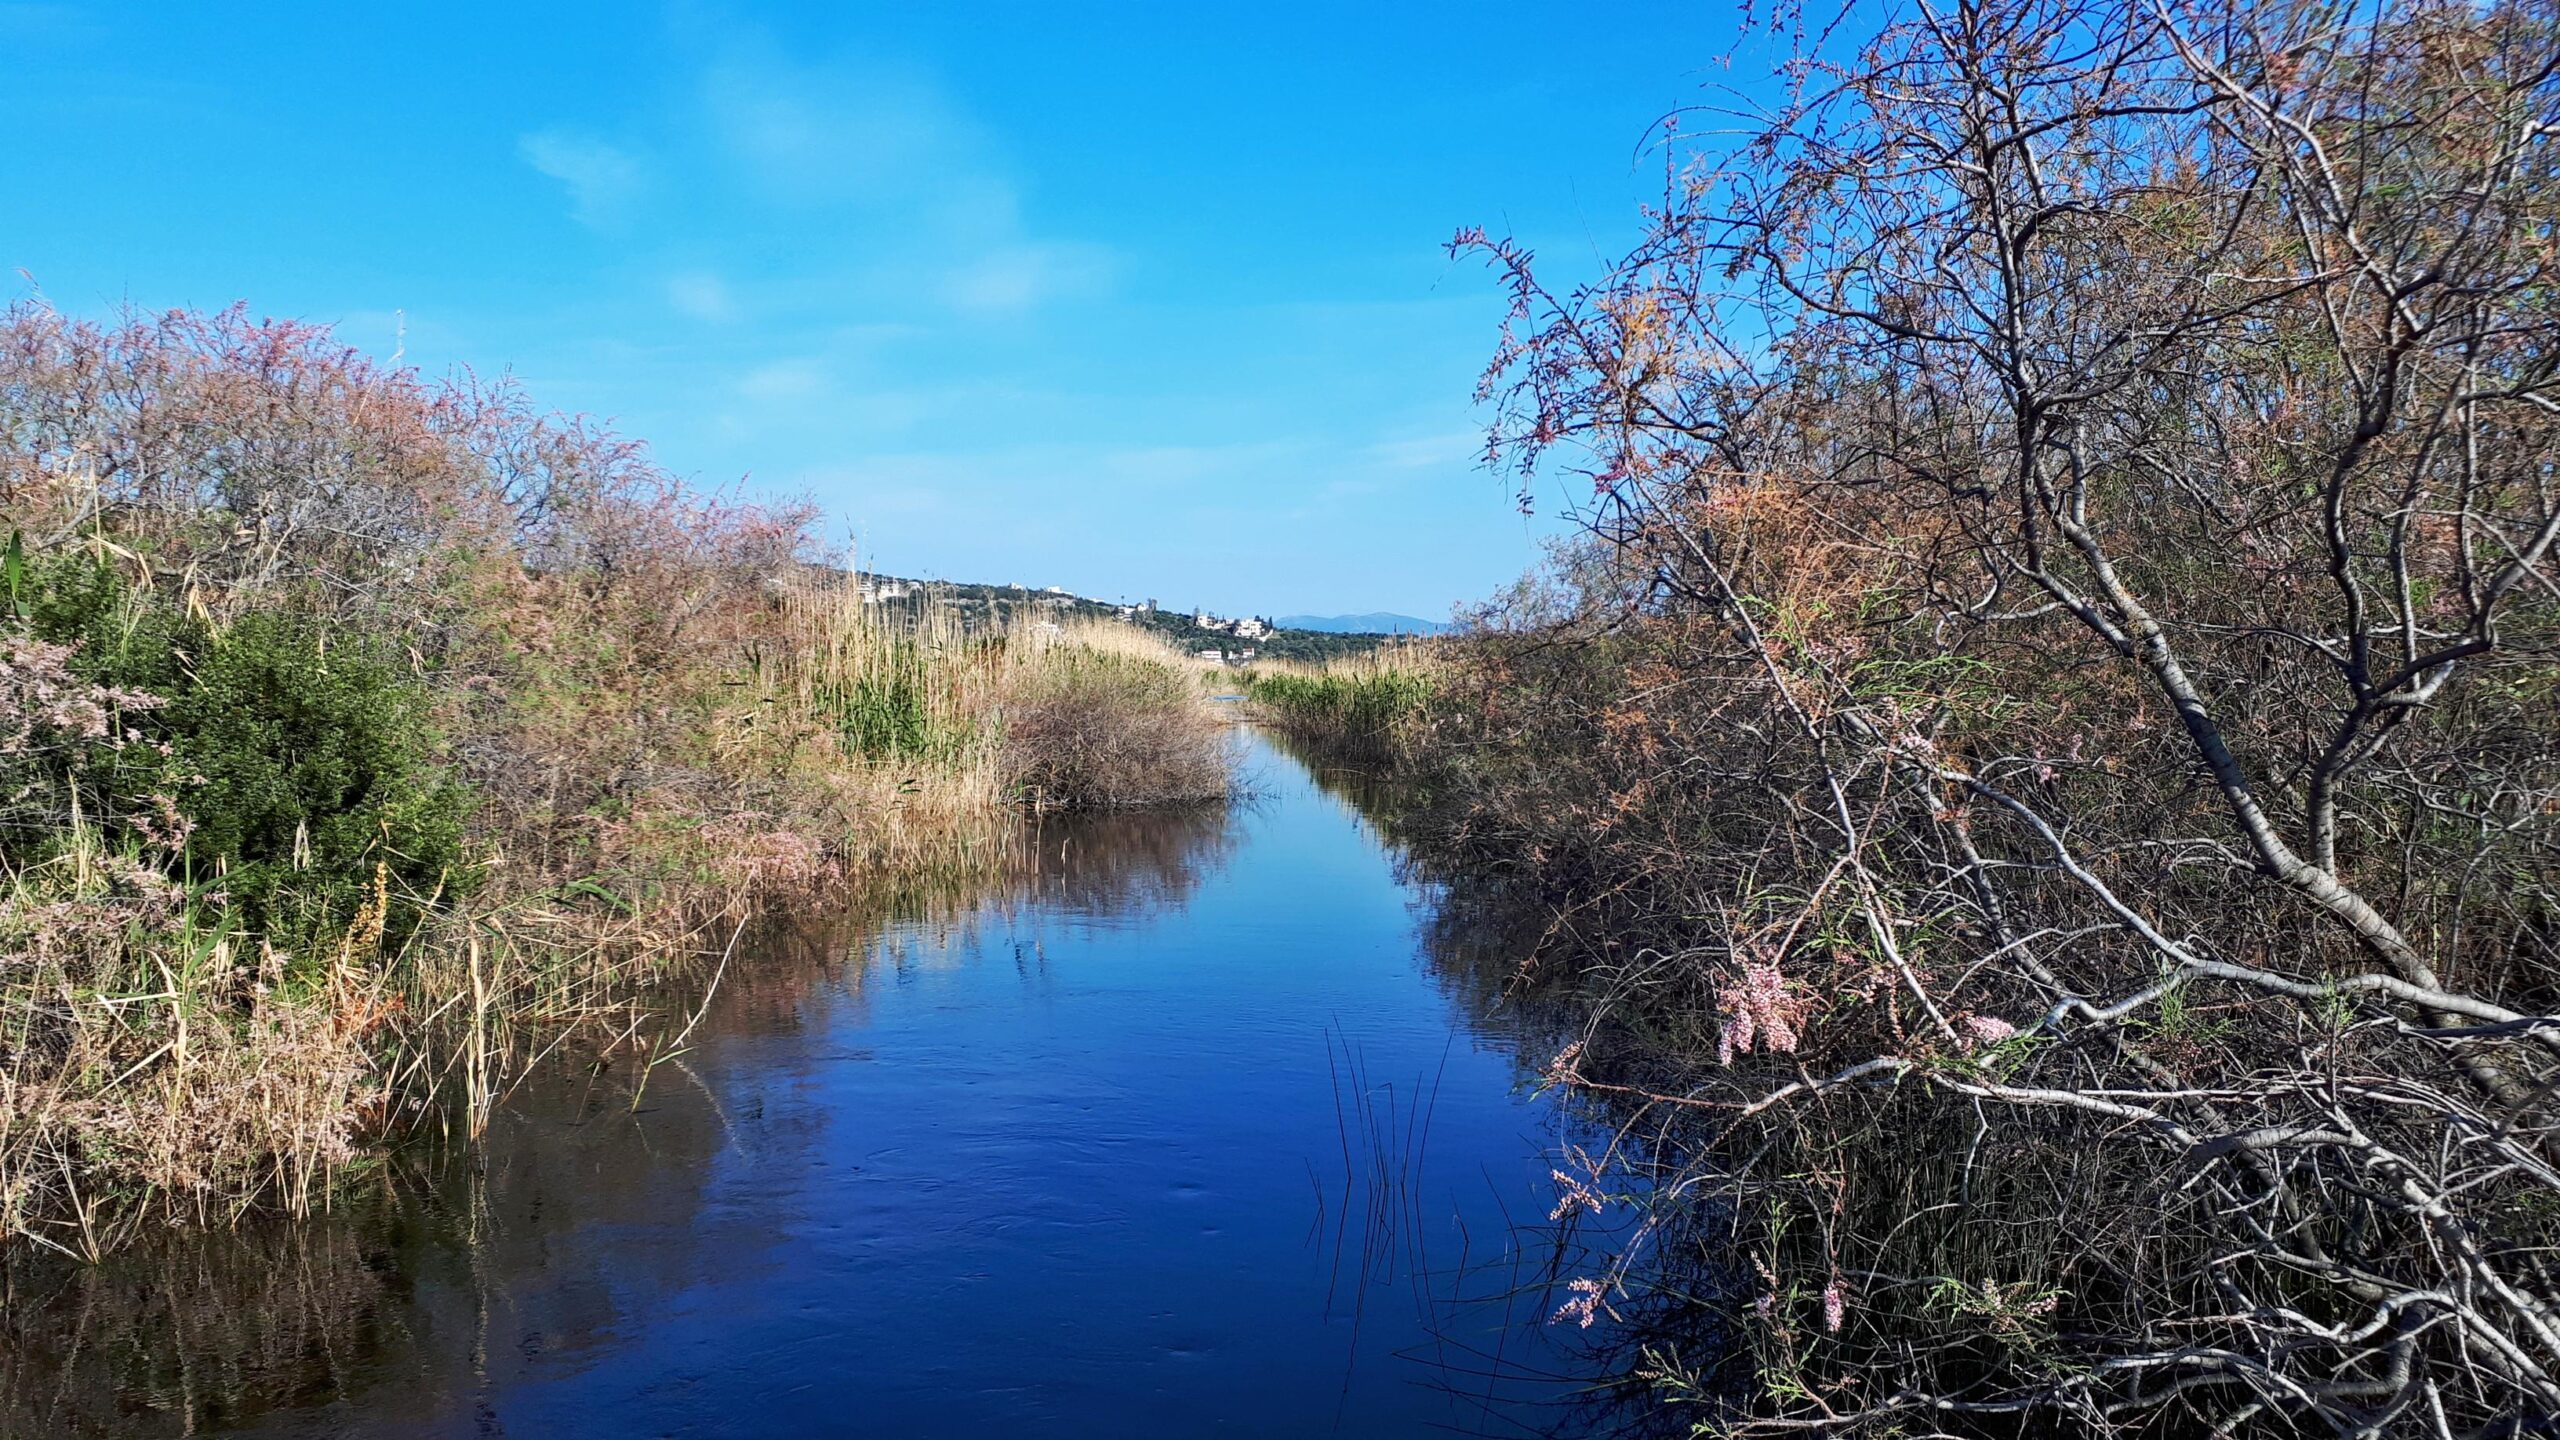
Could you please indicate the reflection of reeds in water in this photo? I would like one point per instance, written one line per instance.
(1487, 1302)
(166, 1336)
(1503, 1310)
(1385, 1128)
(1112, 870)
(405, 1298)
(420, 1263)
(1125, 866)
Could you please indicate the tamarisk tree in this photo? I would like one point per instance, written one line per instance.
(2071, 574)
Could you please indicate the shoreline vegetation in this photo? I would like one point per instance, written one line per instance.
(2041, 765)
(1353, 707)
(2035, 771)
(361, 735)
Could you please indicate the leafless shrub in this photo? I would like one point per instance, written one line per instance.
(1087, 728)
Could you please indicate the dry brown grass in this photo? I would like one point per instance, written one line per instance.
(1107, 716)
(671, 714)
(163, 1071)
(160, 1071)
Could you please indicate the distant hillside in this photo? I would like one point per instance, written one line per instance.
(981, 606)
(1376, 622)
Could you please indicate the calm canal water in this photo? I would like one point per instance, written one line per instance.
(1186, 1134)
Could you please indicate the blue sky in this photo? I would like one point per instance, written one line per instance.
(1138, 299)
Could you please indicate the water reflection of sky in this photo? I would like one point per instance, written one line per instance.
(1184, 1136)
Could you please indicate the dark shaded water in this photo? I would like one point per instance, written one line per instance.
(1186, 1134)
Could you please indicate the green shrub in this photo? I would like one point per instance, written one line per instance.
(318, 766)
(301, 758)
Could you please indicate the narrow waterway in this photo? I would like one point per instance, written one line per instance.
(1185, 1134)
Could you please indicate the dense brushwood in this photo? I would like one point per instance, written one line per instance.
(2047, 751)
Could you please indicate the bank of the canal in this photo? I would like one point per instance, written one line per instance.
(1185, 1135)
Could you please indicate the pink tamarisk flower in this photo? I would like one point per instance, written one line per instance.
(1584, 1306)
(1987, 1029)
(1760, 1007)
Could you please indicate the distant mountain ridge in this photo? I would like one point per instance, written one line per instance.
(1376, 622)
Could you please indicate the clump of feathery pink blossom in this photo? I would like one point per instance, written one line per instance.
(1575, 1195)
(42, 702)
(1583, 1306)
(1566, 1068)
(1761, 1010)
(1985, 1029)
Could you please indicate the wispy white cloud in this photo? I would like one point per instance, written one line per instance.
(877, 180)
(603, 180)
(849, 132)
(702, 295)
(889, 149)
(785, 382)
(1442, 450)
(1026, 275)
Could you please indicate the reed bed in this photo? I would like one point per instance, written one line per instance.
(364, 739)
(162, 1066)
(1363, 705)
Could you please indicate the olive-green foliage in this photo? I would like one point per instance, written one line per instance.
(318, 767)
(301, 756)
(1359, 710)
(884, 709)
(1310, 647)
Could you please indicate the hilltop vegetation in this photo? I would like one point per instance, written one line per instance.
(999, 606)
